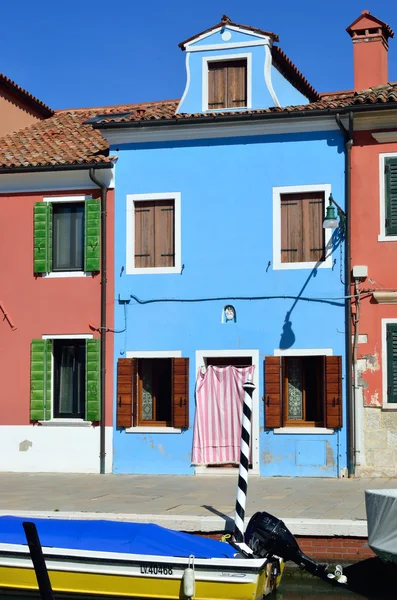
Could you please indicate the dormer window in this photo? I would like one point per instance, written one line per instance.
(227, 84)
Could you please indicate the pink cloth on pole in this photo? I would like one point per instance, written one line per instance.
(219, 409)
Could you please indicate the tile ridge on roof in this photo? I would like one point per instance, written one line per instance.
(126, 106)
(292, 73)
(9, 83)
(223, 23)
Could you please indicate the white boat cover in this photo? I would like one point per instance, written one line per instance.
(381, 508)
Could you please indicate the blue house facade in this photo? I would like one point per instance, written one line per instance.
(224, 271)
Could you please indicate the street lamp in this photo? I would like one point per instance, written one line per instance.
(331, 221)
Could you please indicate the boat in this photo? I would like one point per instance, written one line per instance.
(134, 560)
(381, 507)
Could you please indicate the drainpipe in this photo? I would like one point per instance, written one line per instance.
(348, 136)
(104, 189)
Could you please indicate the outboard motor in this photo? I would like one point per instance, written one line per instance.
(266, 535)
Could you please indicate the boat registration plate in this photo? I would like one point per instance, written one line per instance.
(156, 570)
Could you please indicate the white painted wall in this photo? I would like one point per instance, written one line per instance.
(56, 449)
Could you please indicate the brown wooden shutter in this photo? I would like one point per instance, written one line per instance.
(312, 225)
(180, 392)
(273, 396)
(144, 234)
(236, 83)
(291, 228)
(164, 233)
(333, 391)
(217, 75)
(126, 392)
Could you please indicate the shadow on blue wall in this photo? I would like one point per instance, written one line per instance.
(287, 338)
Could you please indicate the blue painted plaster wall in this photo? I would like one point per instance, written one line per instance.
(227, 239)
(261, 98)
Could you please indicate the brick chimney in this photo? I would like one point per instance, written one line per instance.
(370, 46)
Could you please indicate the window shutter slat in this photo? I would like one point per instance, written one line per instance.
(164, 243)
(40, 380)
(180, 392)
(312, 226)
(217, 85)
(92, 236)
(237, 84)
(144, 234)
(92, 381)
(272, 397)
(392, 363)
(391, 195)
(291, 228)
(42, 231)
(126, 391)
(333, 392)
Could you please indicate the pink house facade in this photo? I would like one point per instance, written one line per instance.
(55, 413)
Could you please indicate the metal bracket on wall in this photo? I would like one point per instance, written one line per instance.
(6, 317)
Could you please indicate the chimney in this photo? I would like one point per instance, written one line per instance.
(370, 45)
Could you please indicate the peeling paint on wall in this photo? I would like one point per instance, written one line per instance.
(25, 445)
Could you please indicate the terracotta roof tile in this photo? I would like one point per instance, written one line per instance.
(14, 88)
(67, 138)
(224, 22)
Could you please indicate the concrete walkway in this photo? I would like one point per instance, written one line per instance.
(201, 503)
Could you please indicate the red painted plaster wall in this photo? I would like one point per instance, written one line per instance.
(380, 257)
(39, 305)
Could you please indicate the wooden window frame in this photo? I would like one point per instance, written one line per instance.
(299, 189)
(224, 66)
(275, 394)
(127, 406)
(131, 268)
(228, 58)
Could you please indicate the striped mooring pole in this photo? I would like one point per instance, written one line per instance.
(241, 499)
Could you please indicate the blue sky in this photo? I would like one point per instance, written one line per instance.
(78, 53)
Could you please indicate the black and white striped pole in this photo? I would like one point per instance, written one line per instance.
(241, 499)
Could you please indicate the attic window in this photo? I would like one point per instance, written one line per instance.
(227, 84)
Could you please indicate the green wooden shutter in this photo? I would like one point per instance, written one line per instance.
(92, 235)
(40, 380)
(42, 230)
(391, 196)
(391, 337)
(92, 381)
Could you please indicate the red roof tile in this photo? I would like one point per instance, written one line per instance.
(66, 139)
(226, 21)
(31, 100)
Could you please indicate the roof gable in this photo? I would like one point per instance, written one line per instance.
(224, 24)
(17, 91)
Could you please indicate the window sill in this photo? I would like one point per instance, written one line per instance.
(153, 429)
(58, 274)
(303, 430)
(154, 270)
(279, 266)
(387, 238)
(389, 406)
(66, 423)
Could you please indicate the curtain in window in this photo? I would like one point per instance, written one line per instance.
(219, 407)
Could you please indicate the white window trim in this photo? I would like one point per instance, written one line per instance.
(298, 189)
(53, 422)
(130, 233)
(226, 57)
(153, 354)
(385, 404)
(382, 237)
(201, 355)
(303, 352)
(60, 274)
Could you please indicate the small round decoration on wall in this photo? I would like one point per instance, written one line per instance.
(226, 36)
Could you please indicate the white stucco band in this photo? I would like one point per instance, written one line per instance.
(36, 449)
